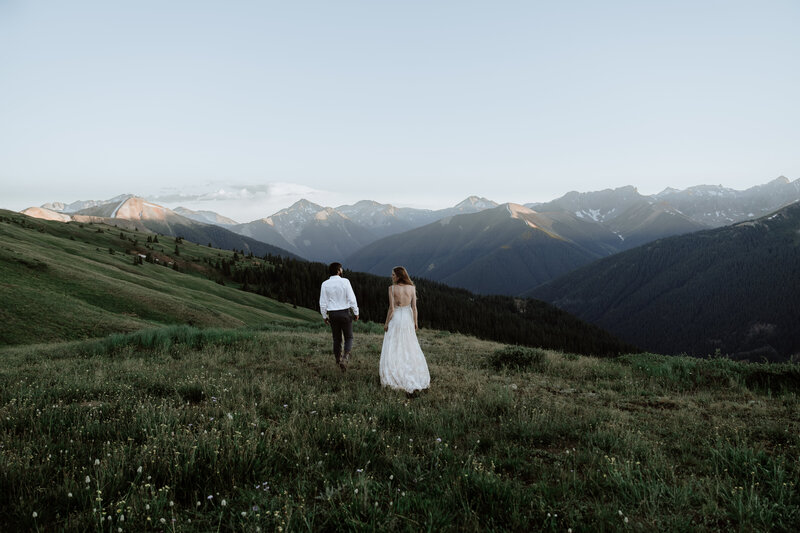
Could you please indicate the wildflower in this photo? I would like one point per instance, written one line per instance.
(223, 503)
(359, 470)
(88, 479)
(255, 508)
(244, 513)
(139, 470)
(626, 520)
(163, 520)
(620, 513)
(438, 439)
(35, 514)
(391, 477)
(147, 507)
(230, 416)
(210, 497)
(69, 495)
(356, 491)
(285, 405)
(96, 462)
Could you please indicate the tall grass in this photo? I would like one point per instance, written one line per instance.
(238, 430)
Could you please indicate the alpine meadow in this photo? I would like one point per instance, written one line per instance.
(149, 383)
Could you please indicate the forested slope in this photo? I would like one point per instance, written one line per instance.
(734, 289)
(501, 318)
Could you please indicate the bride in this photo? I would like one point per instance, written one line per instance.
(402, 363)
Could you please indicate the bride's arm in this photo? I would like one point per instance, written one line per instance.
(390, 312)
(414, 306)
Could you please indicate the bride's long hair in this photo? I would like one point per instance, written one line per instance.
(402, 276)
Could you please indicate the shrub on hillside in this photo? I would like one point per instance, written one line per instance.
(518, 358)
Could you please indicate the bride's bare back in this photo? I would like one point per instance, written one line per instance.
(403, 295)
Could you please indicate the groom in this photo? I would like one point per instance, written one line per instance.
(336, 299)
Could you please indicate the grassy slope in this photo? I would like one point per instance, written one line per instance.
(263, 420)
(60, 282)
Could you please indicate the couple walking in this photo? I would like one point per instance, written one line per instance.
(402, 364)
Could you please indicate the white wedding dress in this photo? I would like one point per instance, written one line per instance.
(403, 364)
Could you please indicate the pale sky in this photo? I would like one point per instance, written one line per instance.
(243, 107)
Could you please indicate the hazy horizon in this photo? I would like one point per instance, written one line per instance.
(241, 207)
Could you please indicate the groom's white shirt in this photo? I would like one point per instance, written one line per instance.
(336, 294)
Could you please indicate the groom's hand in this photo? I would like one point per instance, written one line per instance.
(327, 322)
(355, 317)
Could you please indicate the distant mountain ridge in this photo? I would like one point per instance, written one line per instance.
(718, 206)
(132, 212)
(207, 217)
(504, 250)
(329, 234)
(734, 289)
(634, 218)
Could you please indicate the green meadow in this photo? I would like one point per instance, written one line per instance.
(149, 398)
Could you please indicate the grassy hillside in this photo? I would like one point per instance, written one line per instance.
(73, 281)
(185, 429)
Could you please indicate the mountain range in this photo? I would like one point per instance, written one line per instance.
(733, 289)
(133, 213)
(693, 271)
(509, 251)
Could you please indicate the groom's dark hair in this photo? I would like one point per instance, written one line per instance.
(333, 268)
